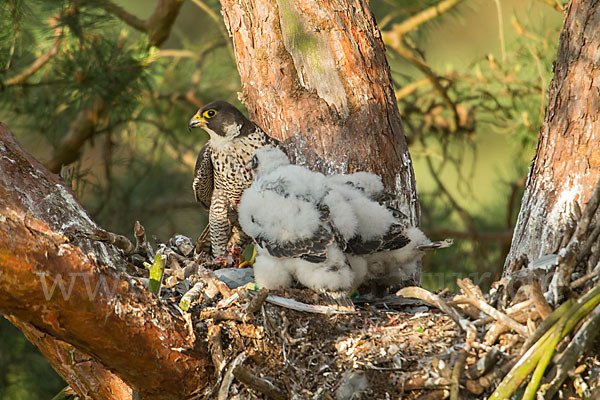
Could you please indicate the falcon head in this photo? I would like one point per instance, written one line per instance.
(267, 159)
(219, 118)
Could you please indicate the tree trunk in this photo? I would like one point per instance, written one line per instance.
(316, 77)
(59, 290)
(567, 161)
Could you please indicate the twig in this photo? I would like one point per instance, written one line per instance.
(490, 378)
(156, 272)
(259, 384)
(588, 213)
(433, 78)
(537, 355)
(142, 247)
(465, 216)
(491, 311)
(298, 306)
(224, 389)
(459, 366)
(554, 4)
(234, 314)
(40, 61)
(190, 296)
(119, 241)
(501, 30)
(541, 305)
(587, 247)
(123, 15)
(587, 277)
(484, 364)
(410, 88)
(427, 296)
(538, 373)
(219, 21)
(210, 278)
(428, 14)
(257, 301)
(215, 346)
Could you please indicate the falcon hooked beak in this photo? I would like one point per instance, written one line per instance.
(196, 121)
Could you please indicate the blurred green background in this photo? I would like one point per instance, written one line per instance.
(471, 138)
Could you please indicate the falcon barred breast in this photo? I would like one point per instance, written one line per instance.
(222, 174)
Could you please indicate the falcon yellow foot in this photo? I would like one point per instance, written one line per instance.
(249, 263)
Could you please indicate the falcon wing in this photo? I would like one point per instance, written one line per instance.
(203, 177)
(313, 249)
(395, 238)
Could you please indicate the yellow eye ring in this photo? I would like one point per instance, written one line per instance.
(209, 113)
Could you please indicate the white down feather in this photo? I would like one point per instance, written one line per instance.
(370, 183)
(276, 218)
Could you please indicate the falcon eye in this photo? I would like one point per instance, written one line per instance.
(254, 162)
(209, 113)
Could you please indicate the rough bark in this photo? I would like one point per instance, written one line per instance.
(567, 161)
(317, 78)
(87, 376)
(99, 311)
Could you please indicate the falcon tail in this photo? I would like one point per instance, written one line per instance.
(436, 245)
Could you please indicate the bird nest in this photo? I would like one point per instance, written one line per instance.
(434, 348)
(287, 344)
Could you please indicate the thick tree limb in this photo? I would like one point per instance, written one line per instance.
(73, 290)
(79, 369)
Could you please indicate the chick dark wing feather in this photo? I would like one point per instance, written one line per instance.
(313, 249)
(395, 238)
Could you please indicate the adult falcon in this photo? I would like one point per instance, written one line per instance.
(221, 173)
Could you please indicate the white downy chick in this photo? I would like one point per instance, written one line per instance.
(285, 213)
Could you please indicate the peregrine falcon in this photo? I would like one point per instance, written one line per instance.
(222, 174)
(327, 232)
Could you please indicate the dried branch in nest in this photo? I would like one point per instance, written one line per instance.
(228, 378)
(457, 371)
(299, 306)
(473, 296)
(242, 314)
(541, 305)
(142, 247)
(428, 297)
(259, 384)
(215, 346)
(119, 241)
(537, 357)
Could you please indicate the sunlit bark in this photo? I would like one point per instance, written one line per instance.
(567, 161)
(317, 78)
(72, 291)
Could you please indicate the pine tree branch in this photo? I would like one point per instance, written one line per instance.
(80, 131)
(40, 61)
(123, 15)
(83, 128)
(161, 21)
(401, 29)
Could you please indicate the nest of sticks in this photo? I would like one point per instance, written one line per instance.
(533, 333)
